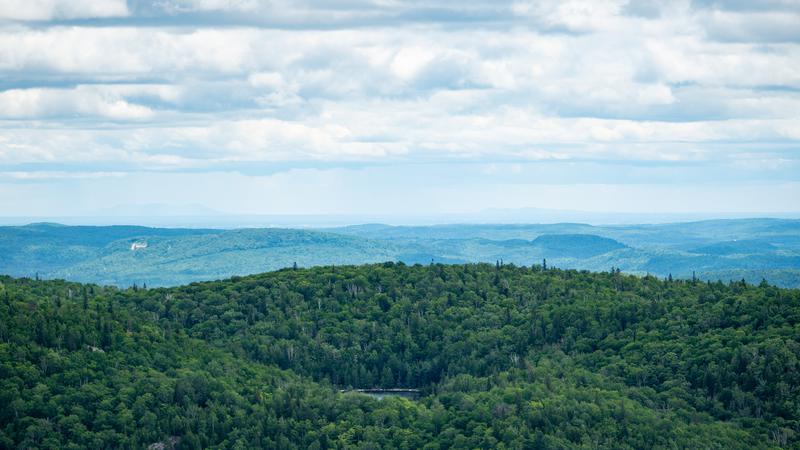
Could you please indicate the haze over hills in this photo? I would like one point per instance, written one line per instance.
(750, 249)
(200, 216)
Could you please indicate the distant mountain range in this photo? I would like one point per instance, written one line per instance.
(200, 216)
(750, 249)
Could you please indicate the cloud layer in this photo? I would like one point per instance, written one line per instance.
(255, 87)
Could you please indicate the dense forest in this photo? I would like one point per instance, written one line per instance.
(505, 357)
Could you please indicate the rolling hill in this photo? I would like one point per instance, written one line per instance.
(753, 249)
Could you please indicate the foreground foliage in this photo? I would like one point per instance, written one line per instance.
(505, 356)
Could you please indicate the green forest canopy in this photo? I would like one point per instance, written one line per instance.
(505, 357)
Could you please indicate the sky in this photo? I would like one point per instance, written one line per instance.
(399, 107)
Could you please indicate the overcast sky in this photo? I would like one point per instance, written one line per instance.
(384, 106)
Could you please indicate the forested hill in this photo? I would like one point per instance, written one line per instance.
(505, 357)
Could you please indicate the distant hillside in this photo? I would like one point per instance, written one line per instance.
(576, 245)
(753, 249)
(169, 260)
(47, 248)
(736, 248)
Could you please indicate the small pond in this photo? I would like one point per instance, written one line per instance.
(380, 394)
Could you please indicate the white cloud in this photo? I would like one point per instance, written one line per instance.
(572, 15)
(61, 9)
(754, 26)
(181, 6)
(84, 101)
(106, 52)
(409, 62)
(55, 174)
(375, 132)
(384, 82)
